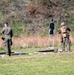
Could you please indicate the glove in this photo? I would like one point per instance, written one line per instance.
(3, 38)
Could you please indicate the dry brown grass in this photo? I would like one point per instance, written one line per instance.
(1, 42)
(28, 41)
(35, 41)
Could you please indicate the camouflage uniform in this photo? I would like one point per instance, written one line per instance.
(65, 37)
(8, 33)
(66, 42)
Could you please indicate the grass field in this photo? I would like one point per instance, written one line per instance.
(38, 64)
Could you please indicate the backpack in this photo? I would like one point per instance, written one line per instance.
(64, 31)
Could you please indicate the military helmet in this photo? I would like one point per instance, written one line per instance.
(62, 23)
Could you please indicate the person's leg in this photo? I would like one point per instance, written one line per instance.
(68, 44)
(63, 44)
(9, 47)
(6, 46)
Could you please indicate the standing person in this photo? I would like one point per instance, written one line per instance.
(51, 27)
(65, 36)
(51, 32)
(8, 33)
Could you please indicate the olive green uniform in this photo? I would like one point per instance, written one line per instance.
(8, 33)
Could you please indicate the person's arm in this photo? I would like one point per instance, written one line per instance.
(68, 29)
(11, 33)
(2, 31)
(59, 31)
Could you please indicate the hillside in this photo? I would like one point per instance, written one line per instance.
(33, 16)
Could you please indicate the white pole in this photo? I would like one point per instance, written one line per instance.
(53, 41)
